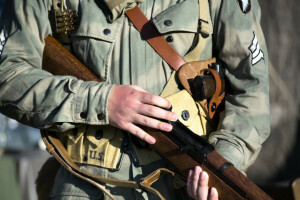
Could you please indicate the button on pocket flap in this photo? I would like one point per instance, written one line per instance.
(185, 107)
(179, 17)
(99, 135)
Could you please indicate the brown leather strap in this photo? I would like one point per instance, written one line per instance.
(153, 37)
(218, 95)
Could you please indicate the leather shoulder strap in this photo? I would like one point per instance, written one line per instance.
(154, 38)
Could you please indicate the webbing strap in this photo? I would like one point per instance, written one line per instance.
(55, 148)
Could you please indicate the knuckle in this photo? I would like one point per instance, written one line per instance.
(151, 110)
(149, 98)
(145, 121)
(121, 124)
(161, 125)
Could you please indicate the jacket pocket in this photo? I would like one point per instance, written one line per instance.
(93, 41)
(179, 25)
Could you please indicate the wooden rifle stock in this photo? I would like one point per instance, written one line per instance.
(230, 183)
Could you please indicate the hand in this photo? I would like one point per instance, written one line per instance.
(197, 185)
(130, 106)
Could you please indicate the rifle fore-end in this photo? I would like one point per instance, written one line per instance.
(59, 61)
(230, 182)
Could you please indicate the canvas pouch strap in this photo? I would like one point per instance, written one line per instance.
(55, 148)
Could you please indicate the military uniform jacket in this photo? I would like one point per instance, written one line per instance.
(108, 43)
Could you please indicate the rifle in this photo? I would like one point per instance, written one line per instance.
(182, 148)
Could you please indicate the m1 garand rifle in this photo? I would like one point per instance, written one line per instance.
(182, 148)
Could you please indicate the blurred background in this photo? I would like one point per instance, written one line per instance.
(278, 164)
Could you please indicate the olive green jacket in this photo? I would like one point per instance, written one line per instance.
(114, 50)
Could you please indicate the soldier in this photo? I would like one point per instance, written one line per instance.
(94, 119)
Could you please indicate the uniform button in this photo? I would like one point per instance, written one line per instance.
(84, 159)
(168, 22)
(106, 31)
(83, 115)
(169, 39)
(100, 117)
(99, 134)
(185, 115)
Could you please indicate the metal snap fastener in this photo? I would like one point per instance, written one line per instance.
(169, 39)
(99, 134)
(84, 159)
(204, 35)
(106, 31)
(100, 117)
(83, 115)
(168, 22)
(213, 107)
(185, 115)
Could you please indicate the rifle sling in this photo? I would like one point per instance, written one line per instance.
(154, 38)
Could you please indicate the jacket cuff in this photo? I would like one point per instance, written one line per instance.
(230, 153)
(90, 103)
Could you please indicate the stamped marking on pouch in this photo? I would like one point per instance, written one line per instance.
(95, 155)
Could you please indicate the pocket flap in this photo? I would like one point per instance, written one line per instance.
(184, 106)
(94, 22)
(179, 17)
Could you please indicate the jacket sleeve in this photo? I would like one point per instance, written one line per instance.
(240, 45)
(35, 97)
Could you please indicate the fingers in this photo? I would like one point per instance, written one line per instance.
(197, 185)
(202, 186)
(156, 112)
(152, 99)
(213, 195)
(153, 123)
(140, 134)
(129, 106)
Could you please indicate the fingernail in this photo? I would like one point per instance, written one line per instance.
(197, 170)
(152, 140)
(213, 191)
(174, 117)
(167, 127)
(202, 175)
(190, 173)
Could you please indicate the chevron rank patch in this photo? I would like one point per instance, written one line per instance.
(245, 5)
(256, 53)
(2, 42)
